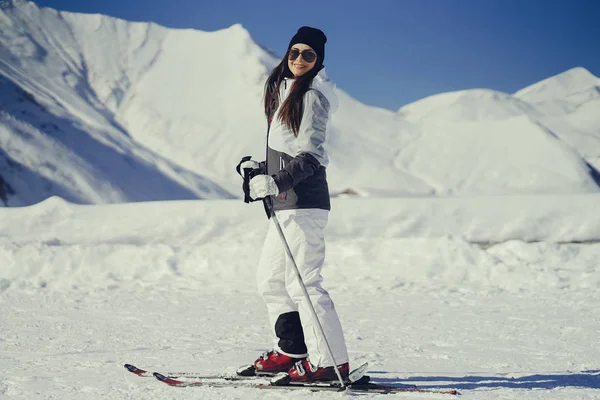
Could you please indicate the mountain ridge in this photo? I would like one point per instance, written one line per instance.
(136, 85)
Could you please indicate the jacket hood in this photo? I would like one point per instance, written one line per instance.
(323, 84)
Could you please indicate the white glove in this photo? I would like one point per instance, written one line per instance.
(249, 164)
(262, 186)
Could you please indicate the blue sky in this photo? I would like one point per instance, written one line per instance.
(388, 53)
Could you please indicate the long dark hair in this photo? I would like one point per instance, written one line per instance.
(292, 108)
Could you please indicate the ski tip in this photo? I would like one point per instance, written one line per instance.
(160, 376)
(167, 380)
(135, 370)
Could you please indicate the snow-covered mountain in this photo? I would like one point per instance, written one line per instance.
(44, 154)
(570, 107)
(494, 142)
(563, 93)
(96, 109)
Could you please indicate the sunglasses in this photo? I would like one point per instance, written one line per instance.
(308, 55)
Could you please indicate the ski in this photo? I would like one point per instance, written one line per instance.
(359, 382)
(243, 373)
(357, 387)
(189, 375)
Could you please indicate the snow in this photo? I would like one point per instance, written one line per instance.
(131, 103)
(469, 105)
(481, 141)
(468, 259)
(562, 93)
(498, 160)
(489, 295)
(570, 105)
(43, 154)
(129, 84)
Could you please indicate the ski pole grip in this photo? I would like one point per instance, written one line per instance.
(246, 175)
(238, 168)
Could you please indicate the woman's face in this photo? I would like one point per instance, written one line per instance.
(300, 66)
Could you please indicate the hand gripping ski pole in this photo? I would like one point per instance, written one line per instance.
(307, 297)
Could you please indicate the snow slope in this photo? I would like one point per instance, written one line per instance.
(570, 103)
(164, 95)
(489, 142)
(58, 138)
(170, 286)
(563, 93)
(42, 155)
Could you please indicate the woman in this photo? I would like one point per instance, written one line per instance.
(299, 99)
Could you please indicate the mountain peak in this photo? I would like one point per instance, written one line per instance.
(236, 32)
(563, 85)
(238, 28)
(576, 73)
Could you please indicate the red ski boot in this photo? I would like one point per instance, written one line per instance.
(304, 371)
(273, 362)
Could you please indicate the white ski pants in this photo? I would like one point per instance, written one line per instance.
(279, 286)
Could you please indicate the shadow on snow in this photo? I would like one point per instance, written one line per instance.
(583, 379)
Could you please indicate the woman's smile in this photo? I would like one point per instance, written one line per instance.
(298, 65)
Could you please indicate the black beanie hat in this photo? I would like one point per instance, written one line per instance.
(313, 37)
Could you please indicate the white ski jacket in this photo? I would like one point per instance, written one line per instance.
(298, 163)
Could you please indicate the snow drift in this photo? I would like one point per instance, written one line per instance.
(170, 286)
(63, 244)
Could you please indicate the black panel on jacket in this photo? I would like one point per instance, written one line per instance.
(302, 179)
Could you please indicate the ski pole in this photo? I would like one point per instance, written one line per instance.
(303, 286)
